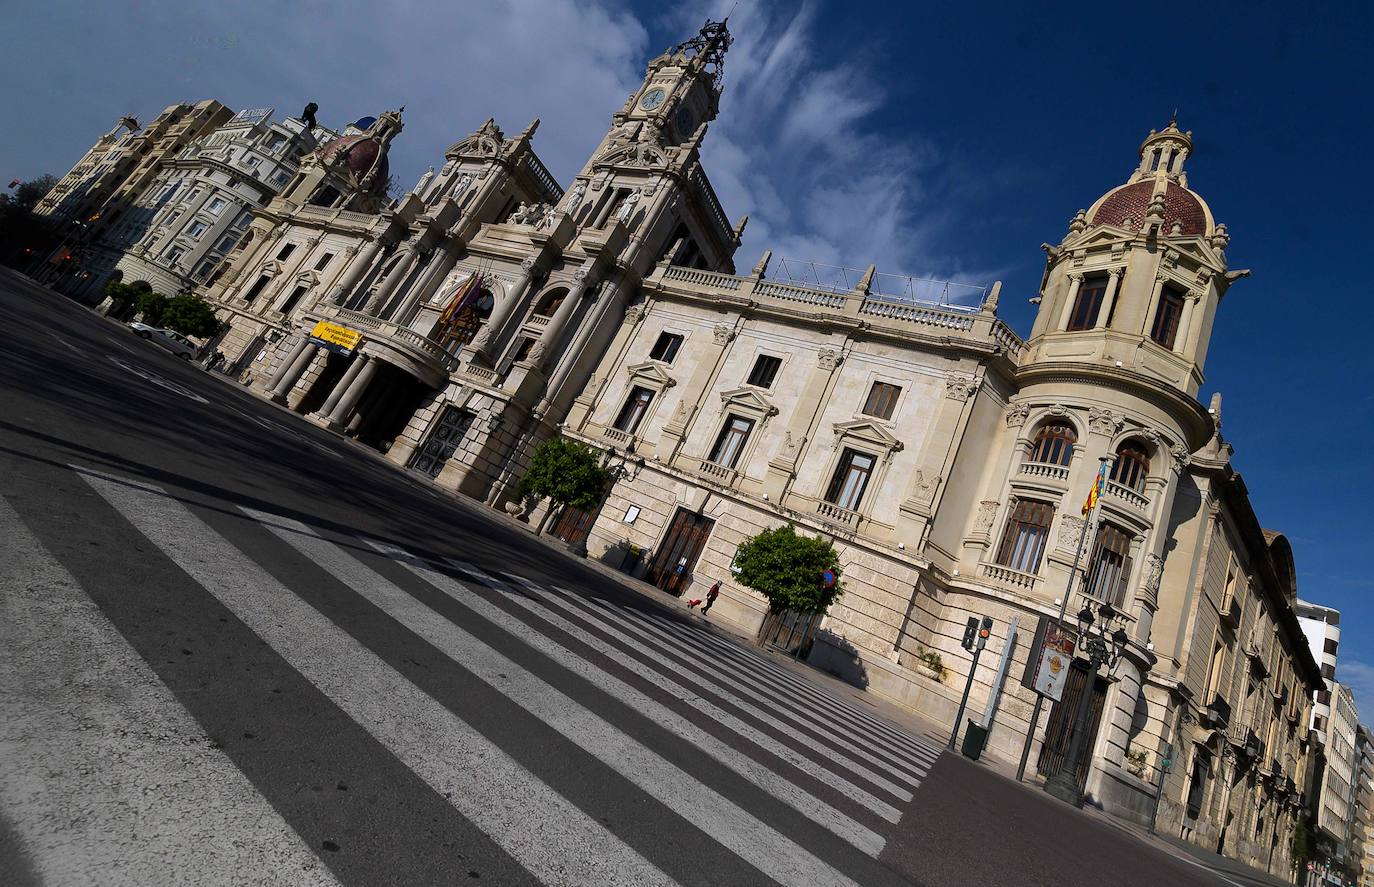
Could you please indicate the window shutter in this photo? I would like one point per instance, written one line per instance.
(1123, 583)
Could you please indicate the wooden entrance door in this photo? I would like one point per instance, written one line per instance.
(671, 568)
(1055, 749)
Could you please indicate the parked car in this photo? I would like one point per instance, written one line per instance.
(170, 339)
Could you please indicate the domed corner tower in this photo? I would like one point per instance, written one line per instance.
(351, 171)
(1129, 296)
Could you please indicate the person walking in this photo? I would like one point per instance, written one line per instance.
(711, 596)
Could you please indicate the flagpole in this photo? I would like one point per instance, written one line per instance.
(1059, 620)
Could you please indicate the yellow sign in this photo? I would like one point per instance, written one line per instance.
(326, 333)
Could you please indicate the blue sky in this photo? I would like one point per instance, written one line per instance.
(945, 140)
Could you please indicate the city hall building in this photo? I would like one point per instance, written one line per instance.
(493, 307)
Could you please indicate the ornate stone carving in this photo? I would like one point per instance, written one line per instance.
(628, 207)
(574, 198)
(580, 278)
(1104, 421)
(460, 186)
(723, 333)
(527, 265)
(1182, 458)
(987, 513)
(960, 387)
(923, 485)
(537, 352)
(1016, 414)
(829, 358)
(1154, 572)
(790, 446)
(1070, 530)
(1057, 410)
(683, 411)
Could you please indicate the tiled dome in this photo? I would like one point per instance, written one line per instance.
(359, 152)
(1132, 201)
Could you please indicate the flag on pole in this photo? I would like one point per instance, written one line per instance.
(463, 297)
(1099, 484)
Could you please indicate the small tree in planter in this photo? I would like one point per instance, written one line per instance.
(191, 316)
(567, 474)
(786, 568)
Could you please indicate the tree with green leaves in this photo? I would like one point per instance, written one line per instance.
(152, 306)
(190, 316)
(566, 473)
(786, 568)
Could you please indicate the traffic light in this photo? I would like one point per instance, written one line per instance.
(970, 632)
(985, 632)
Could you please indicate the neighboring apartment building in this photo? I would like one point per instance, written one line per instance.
(1340, 784)
(93, 178)
(1362, 828)
(192, 214)
(82, 264)
(489, 310)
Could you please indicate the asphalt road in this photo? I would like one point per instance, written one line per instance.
(235, 649)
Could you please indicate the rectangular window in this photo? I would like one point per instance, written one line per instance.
(1089, 303)
(636, 405)
(765, 370)
(227, 242)
(1110, 568)
(205, 268)
(292, 299)
(882, 400)
(1329, 645)
(285, 251)
(215, 206)
(324, 260)
(252, 162)
(731, 441)
(275, 142)
(665, 349)
(1023, 541)
(850, 480)
(1214, 672)
(174, 254)
(1167, 315)
(1230, 593)
(195, 229)
(258, 286)
(522, 350)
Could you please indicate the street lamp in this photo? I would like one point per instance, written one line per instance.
(1102, 646)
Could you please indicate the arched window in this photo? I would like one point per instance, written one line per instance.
(1054, 444)
(549, 304)
(1131, 466)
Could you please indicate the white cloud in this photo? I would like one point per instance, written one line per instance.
(1359, 676)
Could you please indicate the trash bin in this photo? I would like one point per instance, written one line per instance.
(975, 737)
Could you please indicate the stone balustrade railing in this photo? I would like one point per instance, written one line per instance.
(718, 473)
(615, 435)
(1127, 495)
(388, 330)
(832, 512)
(1045, 470)
(1007, 576)
(539, 320)
(916, 314)
(702, 278)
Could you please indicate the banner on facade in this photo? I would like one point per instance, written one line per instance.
(1047, 666)
(339, 339)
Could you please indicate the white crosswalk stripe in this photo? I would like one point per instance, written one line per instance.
(858, 835)
(908, 767)
(671, 683)
(96, 755)
(775, 854)
(548, 835)
(802, 785)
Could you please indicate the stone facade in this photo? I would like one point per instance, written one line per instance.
(945, 456)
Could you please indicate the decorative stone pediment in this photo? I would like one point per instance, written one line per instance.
(869, 432)
(749, 400)
(653, 374)
(636, 154)
(487, 141)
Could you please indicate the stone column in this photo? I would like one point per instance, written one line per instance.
(438, 269)
(495, 328)
(342, 386)
(1184, 333)
(549, 338)
(357, 270)
(1109, 298)
(299, 360)
(356, 388)
(1075, 281)
(399, 272)
(1154, 304)
(567, 361)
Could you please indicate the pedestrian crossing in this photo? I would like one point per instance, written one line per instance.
(576, 740)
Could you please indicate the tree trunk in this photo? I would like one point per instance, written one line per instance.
(544, 521)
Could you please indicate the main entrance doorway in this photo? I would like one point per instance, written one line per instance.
(671, 568)
(1060, 727)
(443, 440)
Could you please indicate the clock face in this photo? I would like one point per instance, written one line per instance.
(652, 99)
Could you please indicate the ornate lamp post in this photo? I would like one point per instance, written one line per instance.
(1102, 646)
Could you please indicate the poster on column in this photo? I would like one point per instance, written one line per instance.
(1047, 668)
(339, 339)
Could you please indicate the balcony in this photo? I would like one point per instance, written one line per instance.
(1218, 712)
(1231, 612)
(1045, 470)
(1008, 576)
(833, 513)
(1127, 495)
(616, 436)
(539, 321)
(718, 473)
(419, 355)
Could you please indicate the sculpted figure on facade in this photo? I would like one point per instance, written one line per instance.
(628, 207)
(1016, 414)
(575, 197)
(1070, 531)
(987, 513)
(829, 358)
